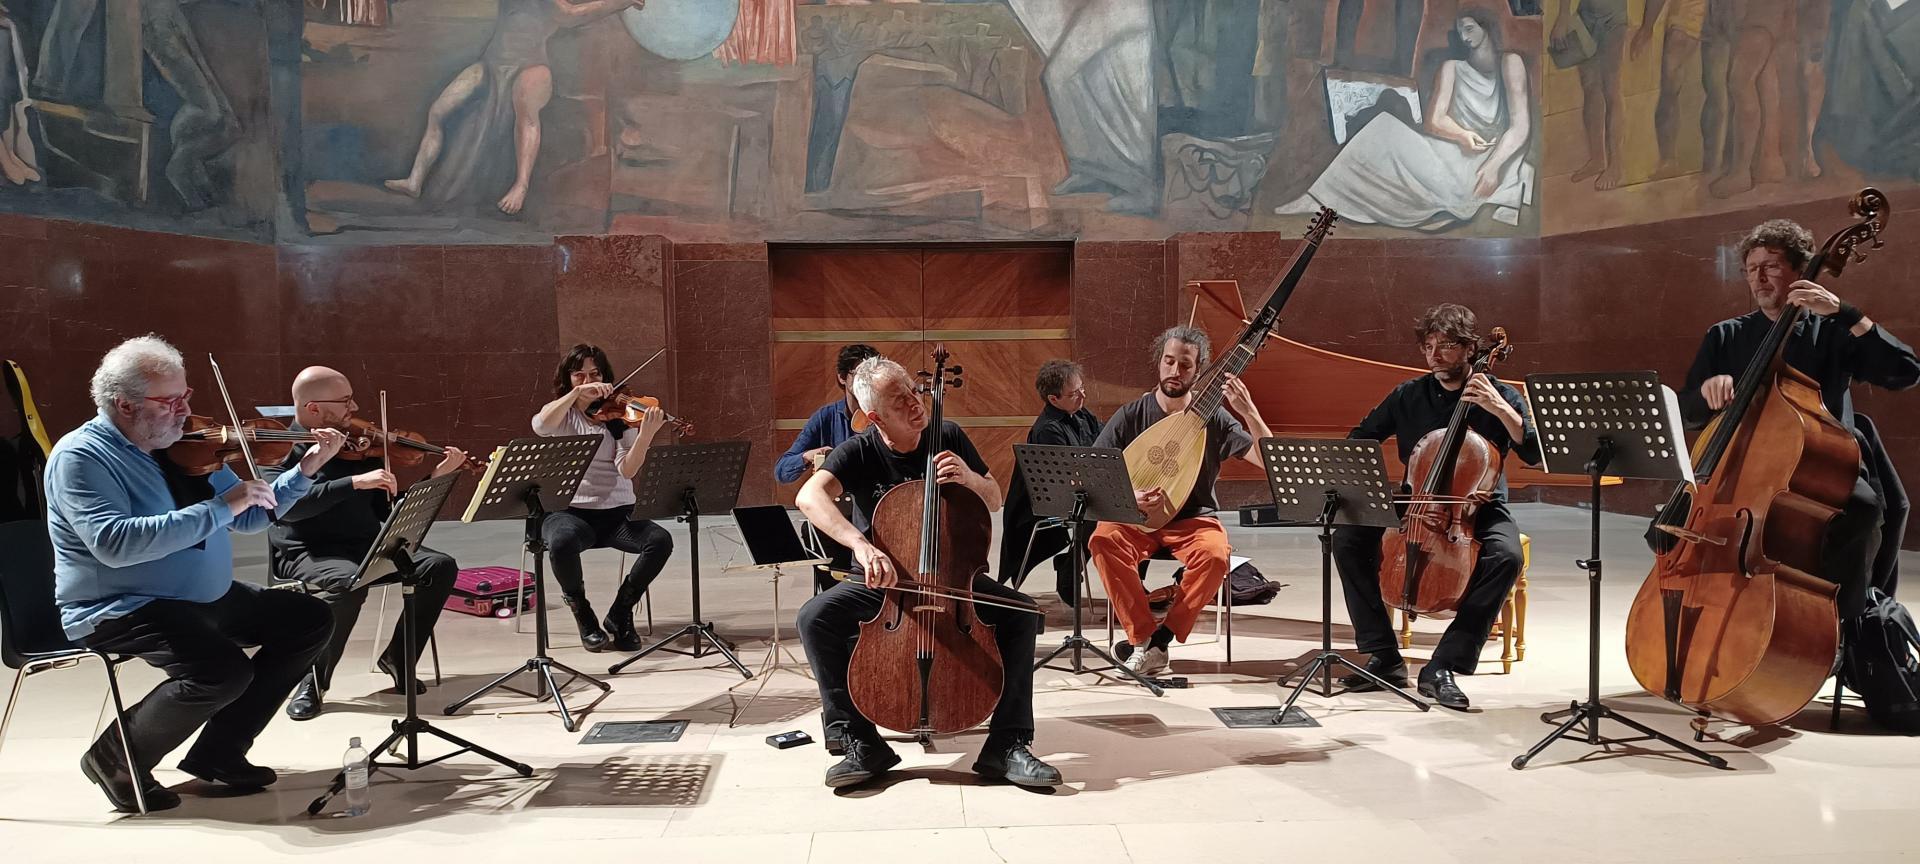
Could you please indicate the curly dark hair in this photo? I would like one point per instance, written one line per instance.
(1190, 335)
(1784, 236)
(1452, 320)
(1053, 377)
(577, 358)
(850, 358)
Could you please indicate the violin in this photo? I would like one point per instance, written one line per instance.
(365, 441)
(1735, 619)
(1426, 563)
(926, 664)
(622, 405)
(208, 444)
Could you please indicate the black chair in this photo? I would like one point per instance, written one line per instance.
(31, 639)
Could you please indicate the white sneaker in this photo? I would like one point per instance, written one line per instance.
(1147, 662)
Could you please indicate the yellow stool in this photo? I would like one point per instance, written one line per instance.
(1512, 627)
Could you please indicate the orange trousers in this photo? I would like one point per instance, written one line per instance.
(1201, 546)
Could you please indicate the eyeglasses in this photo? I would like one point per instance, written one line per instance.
(1440, 345)
(344, 400)
(173, 403)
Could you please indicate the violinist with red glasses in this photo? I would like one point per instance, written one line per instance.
(585, 403)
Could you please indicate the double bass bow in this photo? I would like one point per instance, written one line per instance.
(926, 664)
(1168, 454)
(1735, 620)
(1426, 563)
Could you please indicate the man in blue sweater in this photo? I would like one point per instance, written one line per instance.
(143, 566)
(830, 425)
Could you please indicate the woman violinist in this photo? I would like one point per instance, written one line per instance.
(894, 451)
(598, 516)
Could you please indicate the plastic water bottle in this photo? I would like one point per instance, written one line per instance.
(359, 798)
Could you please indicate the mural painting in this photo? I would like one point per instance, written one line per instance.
(374, 121)
(1683, 107)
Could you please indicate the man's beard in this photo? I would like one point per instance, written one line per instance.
(1174, 388)
(161, 433)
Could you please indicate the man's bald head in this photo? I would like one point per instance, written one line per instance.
(317, 397)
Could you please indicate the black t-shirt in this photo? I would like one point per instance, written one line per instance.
(1421, 405)
(1226, 439)
(867, 468)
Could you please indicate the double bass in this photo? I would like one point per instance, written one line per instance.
(1735, 620)
(926, 664)
(1168, 454)
(1426, 563)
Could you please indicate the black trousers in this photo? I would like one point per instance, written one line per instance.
(1356, 554)
(330, 579)
(1852, 547)
(575, 530)
(830, 622)
(210, 680)
(1047, 543)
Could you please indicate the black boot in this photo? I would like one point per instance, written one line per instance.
(592, 637)
(620, 617)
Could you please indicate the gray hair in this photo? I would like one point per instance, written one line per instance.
(127, 369)
(1182, 333)
(869, 374)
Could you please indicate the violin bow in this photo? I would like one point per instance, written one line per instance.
(386, 435)
(246, 450)
(636, 369)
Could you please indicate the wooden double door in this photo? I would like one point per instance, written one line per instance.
(1000, 309)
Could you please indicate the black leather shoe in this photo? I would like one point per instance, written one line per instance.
(866, 759)
(1392, 670)
(592, 637)
(620, 633)
(110, 774)
(1438, 685)
(393, 671)
(238, 772)
(1015, 764)
(305, 704)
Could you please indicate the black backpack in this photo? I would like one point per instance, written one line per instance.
(1247, 587)
(1879, 663)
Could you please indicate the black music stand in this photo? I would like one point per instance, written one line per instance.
(1326, 482)
(1081, 485)
(526, 480)
(683, 481)
(392, 556)
(774, 545)
(1607, 424)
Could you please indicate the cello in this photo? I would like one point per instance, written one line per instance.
(1734, 620)
(926, 664)
(1424, 568)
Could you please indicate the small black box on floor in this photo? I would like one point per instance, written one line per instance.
(636, 732)
(1253, 718)
(789, 739)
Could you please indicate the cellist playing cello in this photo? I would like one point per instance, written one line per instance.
(1836, 346)
(890, 452)
(1415, 408)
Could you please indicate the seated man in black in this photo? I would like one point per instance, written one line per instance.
(320, 539)
(1065, 421)
(1421, 405)
(892, 452)
(1837, 345)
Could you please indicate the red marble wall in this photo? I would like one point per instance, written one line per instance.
(720, 308)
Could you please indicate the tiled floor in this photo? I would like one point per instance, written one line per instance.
(1149, 780)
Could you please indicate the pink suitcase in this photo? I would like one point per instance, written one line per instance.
(489, 591)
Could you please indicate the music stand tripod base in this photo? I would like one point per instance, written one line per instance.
(1326, 482)
(683, 481)
(392, 555)
(1618, 424)
(528, 479)
(1081, 485)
